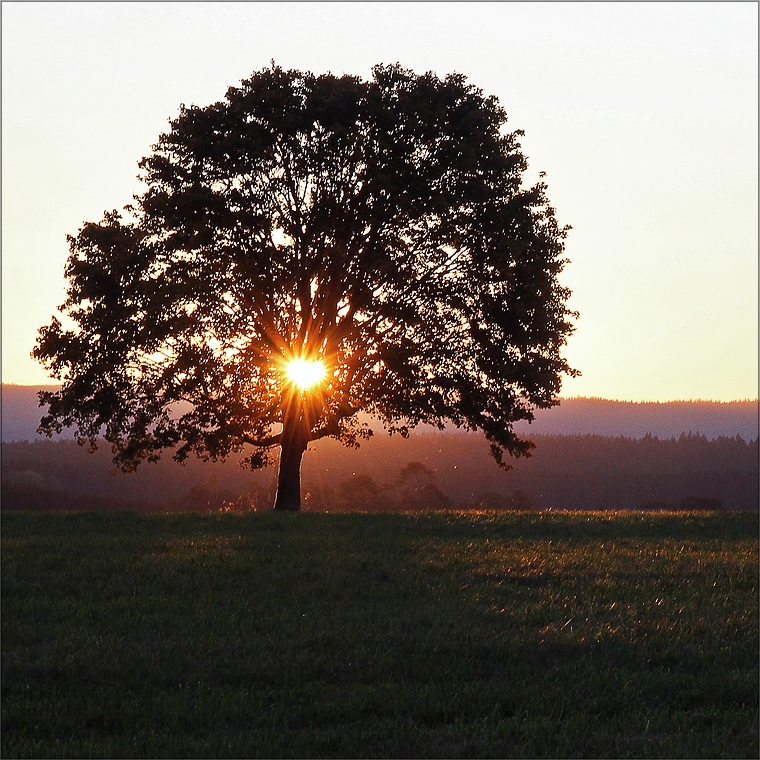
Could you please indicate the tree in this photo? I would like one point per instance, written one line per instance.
(360, 491)
(415, 488)
(376, 231)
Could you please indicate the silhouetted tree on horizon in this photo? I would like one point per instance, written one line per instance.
(378, 227)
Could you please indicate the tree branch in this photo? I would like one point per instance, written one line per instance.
(263, 443)
(331, 426)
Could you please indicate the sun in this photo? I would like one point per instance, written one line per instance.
(305, 373)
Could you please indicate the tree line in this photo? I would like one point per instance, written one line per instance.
(427, 471)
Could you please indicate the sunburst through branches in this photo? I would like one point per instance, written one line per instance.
(305, 373)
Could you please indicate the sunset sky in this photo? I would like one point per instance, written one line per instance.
(642, 115)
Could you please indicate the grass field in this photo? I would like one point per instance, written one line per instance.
(398, 635)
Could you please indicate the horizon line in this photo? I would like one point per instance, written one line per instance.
(745, 400)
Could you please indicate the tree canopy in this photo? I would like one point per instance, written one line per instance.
(381, 228)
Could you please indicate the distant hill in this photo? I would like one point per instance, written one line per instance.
(20, 413)
(596, 416)
(575, 416)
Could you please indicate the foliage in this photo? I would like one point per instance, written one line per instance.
(445, 635)
(380, 226)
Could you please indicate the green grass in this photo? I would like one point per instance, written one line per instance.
(398, 635)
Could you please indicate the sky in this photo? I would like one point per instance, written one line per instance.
(642, 115)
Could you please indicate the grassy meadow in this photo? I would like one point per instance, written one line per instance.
(542, 634)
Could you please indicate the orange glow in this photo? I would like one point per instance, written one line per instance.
(305, 373)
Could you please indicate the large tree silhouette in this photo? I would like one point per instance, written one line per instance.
(380, 227)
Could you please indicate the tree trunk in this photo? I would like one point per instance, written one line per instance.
(295, 438)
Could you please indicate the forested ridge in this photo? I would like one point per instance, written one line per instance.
(574, 416)
(431, 470)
